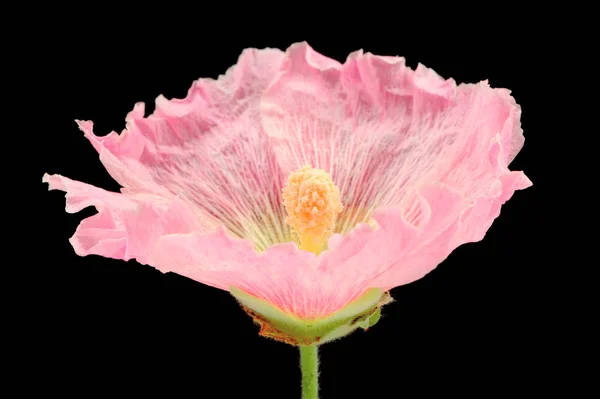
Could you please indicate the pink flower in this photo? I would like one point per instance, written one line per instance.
(403, 167)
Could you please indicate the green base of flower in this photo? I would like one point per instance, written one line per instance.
(364, 312)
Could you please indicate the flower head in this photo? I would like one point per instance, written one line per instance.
(302, 181)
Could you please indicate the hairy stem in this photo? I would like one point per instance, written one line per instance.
(309, 363)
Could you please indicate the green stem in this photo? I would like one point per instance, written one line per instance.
(309, 363)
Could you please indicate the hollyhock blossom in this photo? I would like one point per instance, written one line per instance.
(306, 187)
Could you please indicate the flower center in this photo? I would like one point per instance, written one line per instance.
(312, 202)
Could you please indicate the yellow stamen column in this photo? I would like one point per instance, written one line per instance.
(312, 201)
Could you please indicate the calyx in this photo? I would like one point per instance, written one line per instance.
(364, 312)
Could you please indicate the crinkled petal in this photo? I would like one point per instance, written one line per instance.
(358, 260)
(125, 227)
(209, 150)
(385, 133)
(222, 261)
(384, 130)
(307, 286)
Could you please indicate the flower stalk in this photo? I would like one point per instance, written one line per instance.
(309, 364)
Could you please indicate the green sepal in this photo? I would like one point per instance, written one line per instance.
(374, 318)
(364, 312)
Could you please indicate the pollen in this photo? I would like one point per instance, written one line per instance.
(312, 202)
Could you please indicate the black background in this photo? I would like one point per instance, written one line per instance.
(103, 326)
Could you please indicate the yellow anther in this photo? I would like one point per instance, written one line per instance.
(312, 202)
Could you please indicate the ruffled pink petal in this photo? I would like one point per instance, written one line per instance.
(207, 149)
(308, 286)
(357, 261)
(125, 227)
(385, 132)
(222, 261)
